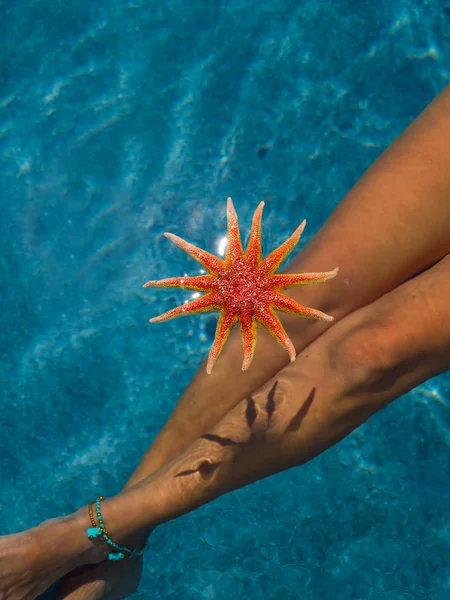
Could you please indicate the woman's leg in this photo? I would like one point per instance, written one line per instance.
(392, 225)
(367, 360)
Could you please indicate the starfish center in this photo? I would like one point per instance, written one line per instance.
(241, 288)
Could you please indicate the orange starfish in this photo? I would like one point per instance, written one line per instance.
(243, 287)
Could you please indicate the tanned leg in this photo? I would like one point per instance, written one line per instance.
(392, 225)
(368, 359)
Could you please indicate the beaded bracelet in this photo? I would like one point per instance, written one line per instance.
(120, 552)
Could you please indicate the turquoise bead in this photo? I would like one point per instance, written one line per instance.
(93, 532)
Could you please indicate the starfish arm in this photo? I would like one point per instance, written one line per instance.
(203, 304)
(225, 324)
(201, 283)
(283, 281)
(272, 323)
(288, 305)
(254, 250)
(212, 263)
(272, 261)
(234, 245)
(248, 328)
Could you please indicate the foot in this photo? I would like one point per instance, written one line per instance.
(30, 562)
(111, 581)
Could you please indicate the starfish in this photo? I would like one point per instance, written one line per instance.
(243, 287)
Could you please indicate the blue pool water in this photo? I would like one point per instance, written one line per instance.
(122, 119)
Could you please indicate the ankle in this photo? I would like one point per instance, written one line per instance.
(66, 541)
